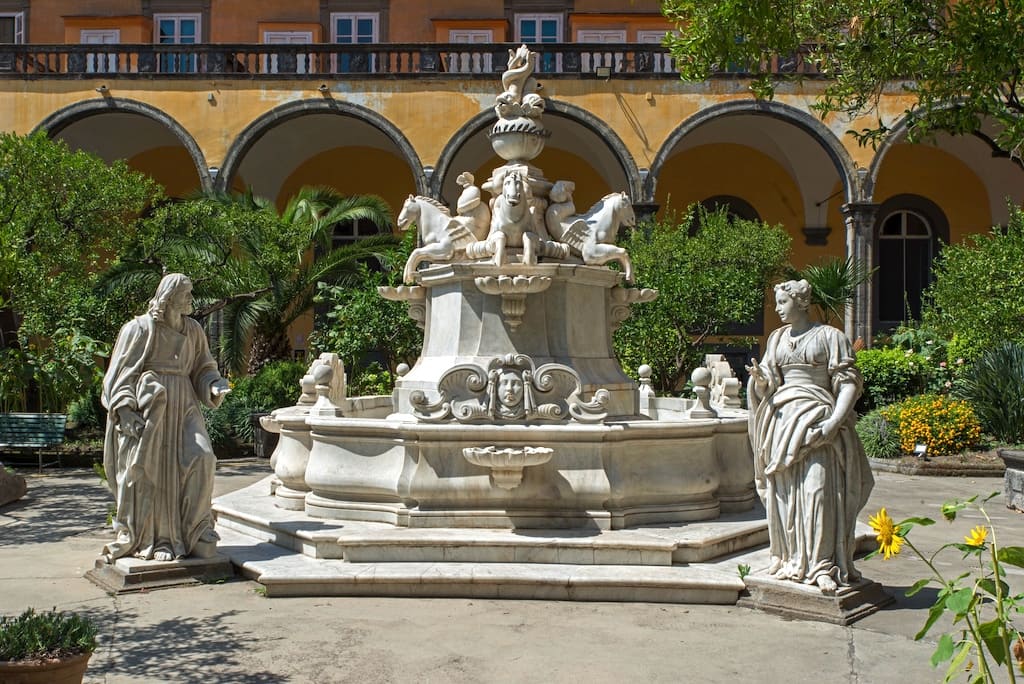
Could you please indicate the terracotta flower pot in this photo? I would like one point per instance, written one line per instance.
(69, 670)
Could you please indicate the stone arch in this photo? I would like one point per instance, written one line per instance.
(64, 117)
(898, 134)
(278, 115)
(479, 123)
(840, 158)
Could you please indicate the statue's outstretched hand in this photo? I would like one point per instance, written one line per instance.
(756, 372)
(220, 388)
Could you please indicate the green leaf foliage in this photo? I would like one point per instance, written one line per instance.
(371, 334)
(50, 634)
(879, 437)
(994, 386)
(943, 650)
(889, 375)
(990, 634)
(1014, 555)
(959, 61)
(63, 214)
(706, 281)
(834, 284)
(977, 297)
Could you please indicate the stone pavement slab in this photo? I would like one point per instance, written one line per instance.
(230, 632)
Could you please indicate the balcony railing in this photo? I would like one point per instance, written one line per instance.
(380, 60)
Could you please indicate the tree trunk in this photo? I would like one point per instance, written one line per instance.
(268, 346)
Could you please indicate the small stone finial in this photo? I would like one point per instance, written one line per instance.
(402, 370)
(647, 394)
(701, 378)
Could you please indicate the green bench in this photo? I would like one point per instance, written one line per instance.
(32, 432)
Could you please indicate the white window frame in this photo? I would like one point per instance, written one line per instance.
(590, 60)
(470, 62)
(19, 26)
(189, 64)
(100, 62)
(543, 63)
(178, 17)
(305, 60)
(355, 17)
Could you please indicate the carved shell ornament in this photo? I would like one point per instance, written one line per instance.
(510, 389)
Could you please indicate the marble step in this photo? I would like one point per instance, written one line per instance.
(251, 511)
(289, 573)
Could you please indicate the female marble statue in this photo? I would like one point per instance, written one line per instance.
(810, 468)
(157, 454)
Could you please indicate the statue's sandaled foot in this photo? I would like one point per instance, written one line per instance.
(163, 555)
(826, 584)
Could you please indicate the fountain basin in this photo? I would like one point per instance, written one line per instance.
(613, 475)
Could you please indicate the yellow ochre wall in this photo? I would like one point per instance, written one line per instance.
(172, 167)
(355, 171)
(940, 177)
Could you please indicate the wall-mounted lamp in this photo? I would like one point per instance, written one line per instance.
(323, 88)
(214, 172)
(102, 90)
(211, 98)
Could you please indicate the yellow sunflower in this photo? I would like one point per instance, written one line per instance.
(977, 536)
(889, 539)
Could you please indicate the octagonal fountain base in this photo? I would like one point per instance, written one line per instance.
(293, 554)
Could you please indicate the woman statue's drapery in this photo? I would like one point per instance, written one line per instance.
(157, 454)
(809, 465)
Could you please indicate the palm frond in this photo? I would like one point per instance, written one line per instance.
(834, 284)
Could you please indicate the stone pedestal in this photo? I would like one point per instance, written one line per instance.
(569, 322)
(132, 574)
(806, 602)
(12, 487)
(1013, 479)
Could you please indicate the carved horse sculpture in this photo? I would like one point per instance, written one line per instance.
(513, 224)
(440, 234)
(591, 235)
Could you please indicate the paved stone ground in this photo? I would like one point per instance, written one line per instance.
(229, 632)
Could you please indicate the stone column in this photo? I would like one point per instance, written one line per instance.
(860, 226)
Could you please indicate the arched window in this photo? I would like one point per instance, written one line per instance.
(907, 239)
(347, 232)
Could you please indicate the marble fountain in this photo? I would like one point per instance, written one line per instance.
(515, 458)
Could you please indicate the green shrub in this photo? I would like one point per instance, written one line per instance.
(879, 436)
(994, 385)
(978, 292)
(946, 425)
(708, 282)
(889, 376)
(46, 635)
(276, 385)
(371, 380)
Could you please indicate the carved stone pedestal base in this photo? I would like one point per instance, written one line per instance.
(806, 602)
(131, 574)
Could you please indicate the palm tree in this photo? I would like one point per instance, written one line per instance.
(313, 212)
(257, 266)
(834, 284)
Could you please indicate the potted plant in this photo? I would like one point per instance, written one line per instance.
(51, 646)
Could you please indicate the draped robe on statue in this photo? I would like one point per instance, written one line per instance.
(812, 489)
(162, 480)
